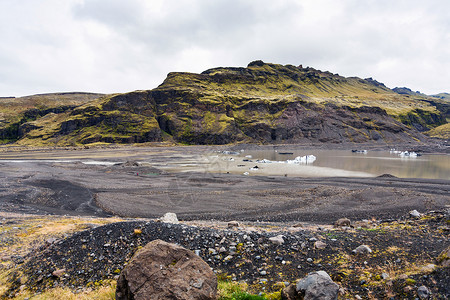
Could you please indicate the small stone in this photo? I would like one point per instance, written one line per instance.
(363, 249)
(423, 292)
(280, 258)
(414, 213)
(309, 259)
(320, 245)
(59, 273)
(170, 218)
(197, 252)
(277, 240)
(51, 241)
(263, 273)
(342, 222)
(232, 224)
(428, 268)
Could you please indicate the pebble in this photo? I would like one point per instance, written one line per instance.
(309, 259)
(414, 213)
(277, 240)
(363, 249)
(320, 245)
(228, 258)
(233, 224)
(423, 292)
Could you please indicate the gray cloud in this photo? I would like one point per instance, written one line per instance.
(118, 46)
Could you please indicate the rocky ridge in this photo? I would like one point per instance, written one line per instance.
(263, 103)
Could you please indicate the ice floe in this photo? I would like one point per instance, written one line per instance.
(307, 159)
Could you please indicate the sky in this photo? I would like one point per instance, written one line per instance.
(112, 46)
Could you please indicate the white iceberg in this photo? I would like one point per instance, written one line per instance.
(307, 159)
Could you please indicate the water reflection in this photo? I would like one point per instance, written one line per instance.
(373, 162)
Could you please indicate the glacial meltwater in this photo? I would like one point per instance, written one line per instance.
(355, 164)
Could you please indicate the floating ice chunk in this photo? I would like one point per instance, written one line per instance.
(307, 159)
(360, 151)
(230, 152)
(264, 161)
(408, 154)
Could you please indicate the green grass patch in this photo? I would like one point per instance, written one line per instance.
(228, 290)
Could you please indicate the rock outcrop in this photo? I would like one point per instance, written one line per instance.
(161, 270)
(264, 103)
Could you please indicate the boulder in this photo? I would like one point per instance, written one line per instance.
(162, 270)
(317, 286)
(170, 218)
(343, 222)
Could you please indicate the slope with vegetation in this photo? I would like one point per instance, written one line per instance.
(18, 114)
(263, 103)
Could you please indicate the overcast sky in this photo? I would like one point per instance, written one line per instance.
(118, 46)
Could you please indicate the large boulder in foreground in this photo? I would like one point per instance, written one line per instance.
(316, 286)
(162, 270)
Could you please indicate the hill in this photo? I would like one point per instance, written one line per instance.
(262, 103)
(14, 112)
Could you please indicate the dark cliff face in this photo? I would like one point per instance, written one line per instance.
(263, 103)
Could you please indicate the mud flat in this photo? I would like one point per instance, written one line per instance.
(148, 182)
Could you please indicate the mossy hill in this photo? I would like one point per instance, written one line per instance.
(262, 103)
(17, 113)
